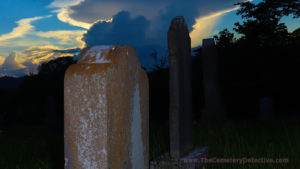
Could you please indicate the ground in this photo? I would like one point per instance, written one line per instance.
(29, 147)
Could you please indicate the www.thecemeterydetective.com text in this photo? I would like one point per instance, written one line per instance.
(243, 160)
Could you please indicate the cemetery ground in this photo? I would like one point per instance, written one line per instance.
(29, 147)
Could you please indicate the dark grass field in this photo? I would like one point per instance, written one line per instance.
(274, 140)
(29, 147)
(270, 140)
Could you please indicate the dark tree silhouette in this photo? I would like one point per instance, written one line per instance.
(160, 63)
(264, 61)
(225, 39)
(263, 27)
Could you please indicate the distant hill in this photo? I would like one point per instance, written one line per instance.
(7, 82)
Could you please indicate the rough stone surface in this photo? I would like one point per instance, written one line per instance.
(181, 120)
(106, 110)
(214, 109)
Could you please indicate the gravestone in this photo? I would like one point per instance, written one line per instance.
(106, 110)
(182, 154)
(181, 115)
(214, 109)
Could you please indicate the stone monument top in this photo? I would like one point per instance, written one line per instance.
(208, 42)
(103, 54)
(178, 23)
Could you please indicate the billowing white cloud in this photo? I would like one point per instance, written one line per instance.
(65, 37)
(24, 27)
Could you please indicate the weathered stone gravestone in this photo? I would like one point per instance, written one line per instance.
(214, 109)
(106, 110)
(181, 115)
(182, 152)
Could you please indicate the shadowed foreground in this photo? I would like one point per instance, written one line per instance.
(27, 147)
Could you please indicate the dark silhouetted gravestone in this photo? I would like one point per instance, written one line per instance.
(181, 117)
(214, 109)
(182, 155)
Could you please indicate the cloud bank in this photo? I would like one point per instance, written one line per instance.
(24, 62)
(11, 66)
(25, 48)
(158, 13)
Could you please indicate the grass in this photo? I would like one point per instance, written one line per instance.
(159, 140)
(252, 140)
(30, 148)
(27, 147)
(273, 140)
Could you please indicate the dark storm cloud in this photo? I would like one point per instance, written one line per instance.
(92, 10)
(123, 30)
(157, 12)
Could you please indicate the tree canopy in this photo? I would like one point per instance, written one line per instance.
(262, 26)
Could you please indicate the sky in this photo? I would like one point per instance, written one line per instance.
(36, 31)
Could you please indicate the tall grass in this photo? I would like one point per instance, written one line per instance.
(26, 147)
(30, 148)
(252, 140)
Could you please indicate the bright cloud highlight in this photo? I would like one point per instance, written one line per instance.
(23, 28)
(65, 37)
(204, 25)
(64, 13)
